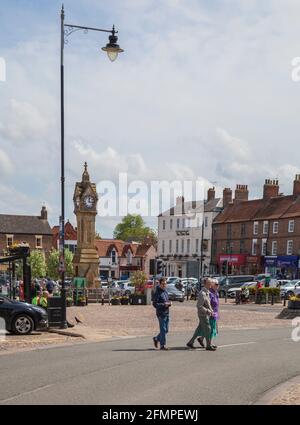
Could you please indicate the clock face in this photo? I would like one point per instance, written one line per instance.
(89, 201)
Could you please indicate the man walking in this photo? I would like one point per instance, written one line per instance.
(205, 311)
(162, 304)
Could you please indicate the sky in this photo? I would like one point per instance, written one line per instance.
(203, 91)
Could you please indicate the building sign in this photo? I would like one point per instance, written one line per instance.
(271, 261)
(252, 259)
(234, 259)
(288, 261)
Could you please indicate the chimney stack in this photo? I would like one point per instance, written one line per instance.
(271, 189)
(241, 192)
(44, 213)
(211, 194)
(296, 191)
(227, 196)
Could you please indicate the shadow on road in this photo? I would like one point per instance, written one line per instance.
(153, 349)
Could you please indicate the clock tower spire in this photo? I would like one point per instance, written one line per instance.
(86, 260)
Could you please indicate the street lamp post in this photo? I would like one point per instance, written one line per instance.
(112, 49)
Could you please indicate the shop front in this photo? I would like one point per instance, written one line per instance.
(287, 266)
(232, 264)
(282, 267)
(253, 265)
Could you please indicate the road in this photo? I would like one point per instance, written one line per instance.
(129, 371)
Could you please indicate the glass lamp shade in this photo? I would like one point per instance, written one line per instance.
(112, 52)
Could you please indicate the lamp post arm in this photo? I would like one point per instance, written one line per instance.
(80, 27)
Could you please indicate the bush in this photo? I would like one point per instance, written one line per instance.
(265, 291)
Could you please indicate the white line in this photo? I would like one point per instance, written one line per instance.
(240, 343)
(26, 393)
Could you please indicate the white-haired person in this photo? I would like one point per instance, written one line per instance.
(205, 314)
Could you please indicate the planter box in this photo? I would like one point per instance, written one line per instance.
(294, 305)
(115, 302)
(138, 300)
(125, 302)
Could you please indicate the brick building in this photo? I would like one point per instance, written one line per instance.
(260, 235)
(119, 259)
(34, 230)
(70, 237)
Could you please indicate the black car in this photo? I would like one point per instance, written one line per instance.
(233, 282)
(175, 294)
(22, 318)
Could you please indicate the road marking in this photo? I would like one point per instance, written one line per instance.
(239, 343)
(26, 393)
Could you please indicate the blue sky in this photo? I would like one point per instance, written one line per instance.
(203, 90)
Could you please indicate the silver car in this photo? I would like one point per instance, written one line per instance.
(290, 289)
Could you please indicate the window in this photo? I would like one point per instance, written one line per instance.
(39, 242)
(242, 246)
(206, 222)
(177, 246)
(275, 227)
(243, 230)
(264, 247)
(188, 246)
(197, 245)
(164, 224)
(163, 247)
(170, 247)
(254, 246)
(274, 248)
(228, 245)
(290, 246)
(183, 223)
(171, 224)
(178, 223)
(182, 246)
(9, 240)
(129, 257)
(266, 227)
(291, 226)
(255, 228)
(228, 230)
(113, 256)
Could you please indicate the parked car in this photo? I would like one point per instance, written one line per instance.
(233, 282)
(22, 318)
(173, 279)
(282, 282)
(127, 288)
(175, 294)
(290, 289)
(232, 291)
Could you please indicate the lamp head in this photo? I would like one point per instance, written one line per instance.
(112, 48)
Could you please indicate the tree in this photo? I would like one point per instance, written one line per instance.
(38, 264)
(53, 264)
(133, 227)
(139, 279)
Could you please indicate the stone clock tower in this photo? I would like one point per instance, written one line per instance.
(86, 259)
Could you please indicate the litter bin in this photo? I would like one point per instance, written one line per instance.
(54, 311)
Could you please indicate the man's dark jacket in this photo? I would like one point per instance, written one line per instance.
(161, 297)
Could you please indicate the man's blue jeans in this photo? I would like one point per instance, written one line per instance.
(164, 329)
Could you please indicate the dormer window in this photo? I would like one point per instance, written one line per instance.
(129, 257)
(113, 256)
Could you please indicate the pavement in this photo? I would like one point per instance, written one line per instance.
(246, 366)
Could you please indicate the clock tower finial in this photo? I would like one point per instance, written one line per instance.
(85, 175)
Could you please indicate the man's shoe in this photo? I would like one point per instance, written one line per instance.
(190, 345)
(211, 348)
(200, 340)
(164, 348)
(155, 342)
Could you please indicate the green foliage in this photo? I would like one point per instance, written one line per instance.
(133, 227)
(264, 291)
(139, 279)
(53, 264)
(38, 264)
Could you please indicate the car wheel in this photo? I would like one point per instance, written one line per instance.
(22, 325)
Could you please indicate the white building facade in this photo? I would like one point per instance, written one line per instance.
(185, 236)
